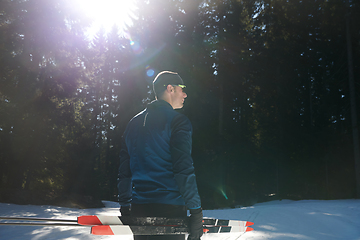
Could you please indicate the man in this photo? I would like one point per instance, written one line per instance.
(156, 173)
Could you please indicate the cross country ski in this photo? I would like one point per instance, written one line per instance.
(123, 225)
(122, 220)
(137, 221)
(160, 230)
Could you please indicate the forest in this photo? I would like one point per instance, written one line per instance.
(272, 90)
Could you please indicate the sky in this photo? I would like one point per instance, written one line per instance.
(286, 219)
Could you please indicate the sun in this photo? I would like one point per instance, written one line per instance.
(106, 13)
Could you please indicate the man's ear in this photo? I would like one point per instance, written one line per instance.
(169, 88)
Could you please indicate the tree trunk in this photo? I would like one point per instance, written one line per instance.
(221, 109)
(355, 131)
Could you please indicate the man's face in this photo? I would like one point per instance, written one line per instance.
(178, 97)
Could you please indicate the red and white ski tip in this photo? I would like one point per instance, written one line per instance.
(235, 223)
(240, 223)
(99, 220)
(111, 230)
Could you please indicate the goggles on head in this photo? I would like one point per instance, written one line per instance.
(180, 85)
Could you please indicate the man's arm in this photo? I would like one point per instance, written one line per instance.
(180, 149)
(124, 176)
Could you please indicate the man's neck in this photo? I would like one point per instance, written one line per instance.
(166, 99)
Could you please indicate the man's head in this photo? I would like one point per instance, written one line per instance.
(169, 86)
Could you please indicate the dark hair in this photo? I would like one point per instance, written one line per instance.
(163, 79)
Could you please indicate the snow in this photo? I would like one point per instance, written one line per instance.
(306, 219)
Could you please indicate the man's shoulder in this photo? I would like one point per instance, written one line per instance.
(136, 119)
(138, 115)
(180, 119)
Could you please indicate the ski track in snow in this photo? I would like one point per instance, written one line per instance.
(300, 220)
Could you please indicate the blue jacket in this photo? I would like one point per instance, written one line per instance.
(155, 160)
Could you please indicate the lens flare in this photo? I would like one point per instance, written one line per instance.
(135, 46)
(224, 194)
(150, 72)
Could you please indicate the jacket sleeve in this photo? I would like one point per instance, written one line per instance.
(180, 149)
(124, 176)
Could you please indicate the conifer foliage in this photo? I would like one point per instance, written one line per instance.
(267, 84)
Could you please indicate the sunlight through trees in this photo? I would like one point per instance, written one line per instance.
(268, 93)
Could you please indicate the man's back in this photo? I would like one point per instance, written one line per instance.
(148, 138)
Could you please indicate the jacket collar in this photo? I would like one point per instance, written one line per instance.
(158, 103)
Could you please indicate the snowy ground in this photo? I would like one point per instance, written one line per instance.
(307, 219)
